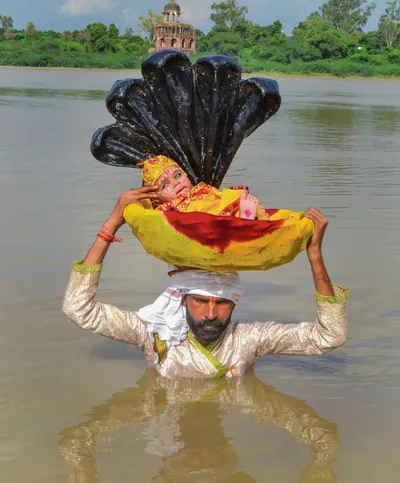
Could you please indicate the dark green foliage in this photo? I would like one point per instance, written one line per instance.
(49, 45)
(112, 32)
(369, 40)
(221, 40)
(98, 31)
(394, 56)
(363, 58)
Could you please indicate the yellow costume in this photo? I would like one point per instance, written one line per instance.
(202, 229)
(202, 197)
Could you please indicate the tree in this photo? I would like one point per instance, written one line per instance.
(105, 44)
(221, 40)
(130, 42)
(318, 32)
(49, 45)
(300, 50)
(146, 24)
(228, 14)
(129, 32)
(9, 34)
(66, 35)
(389, 24)
(347, 15)
(274, 33)
(369, 40)
(51, 34)
(31, 31)
(113, 31)
(83, 37)
(6, 22)
(97, 31)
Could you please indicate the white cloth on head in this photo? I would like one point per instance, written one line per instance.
(167, 316)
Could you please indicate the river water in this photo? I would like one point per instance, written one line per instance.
(66, 393)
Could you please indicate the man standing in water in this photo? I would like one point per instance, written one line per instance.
(188, 331)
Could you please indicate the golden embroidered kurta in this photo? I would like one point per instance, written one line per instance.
(238, 350)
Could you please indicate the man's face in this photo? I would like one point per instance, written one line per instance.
(208, 317)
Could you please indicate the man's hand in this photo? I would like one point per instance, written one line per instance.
(99, 248)
(314, 251)
(314, 247)
(126, 198)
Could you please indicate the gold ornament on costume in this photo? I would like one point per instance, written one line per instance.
(153, 168)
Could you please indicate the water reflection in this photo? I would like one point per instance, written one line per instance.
(184, 428)
(386, 119)
(329, 115)
(52, 93)
(333, 124)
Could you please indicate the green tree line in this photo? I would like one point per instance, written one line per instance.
(331, 40)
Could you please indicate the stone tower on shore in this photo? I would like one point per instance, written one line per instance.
(171, 33)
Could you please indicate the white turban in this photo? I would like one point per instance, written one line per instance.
(167, 316)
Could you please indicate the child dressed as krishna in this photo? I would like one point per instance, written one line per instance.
(175, 192)
(203, 227)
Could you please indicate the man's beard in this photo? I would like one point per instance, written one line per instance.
(215, 328)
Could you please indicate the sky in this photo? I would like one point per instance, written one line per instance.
(63, 15)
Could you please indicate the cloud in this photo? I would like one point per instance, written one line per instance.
(195, 12)
(194, 16)
(84, 7)
(128, 14)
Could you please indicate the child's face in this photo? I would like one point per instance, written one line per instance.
(172, 183)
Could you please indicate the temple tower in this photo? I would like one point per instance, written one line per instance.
(172, 34)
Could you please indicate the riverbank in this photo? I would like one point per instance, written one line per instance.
(272, 75)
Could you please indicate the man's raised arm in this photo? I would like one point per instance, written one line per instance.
(80, 304)
(329, 330)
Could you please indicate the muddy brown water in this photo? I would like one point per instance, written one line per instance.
(70, 396)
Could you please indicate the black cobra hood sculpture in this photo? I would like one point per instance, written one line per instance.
(197, 114)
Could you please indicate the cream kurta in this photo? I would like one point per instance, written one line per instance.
(242, 344)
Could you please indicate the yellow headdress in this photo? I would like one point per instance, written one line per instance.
(153, 168)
